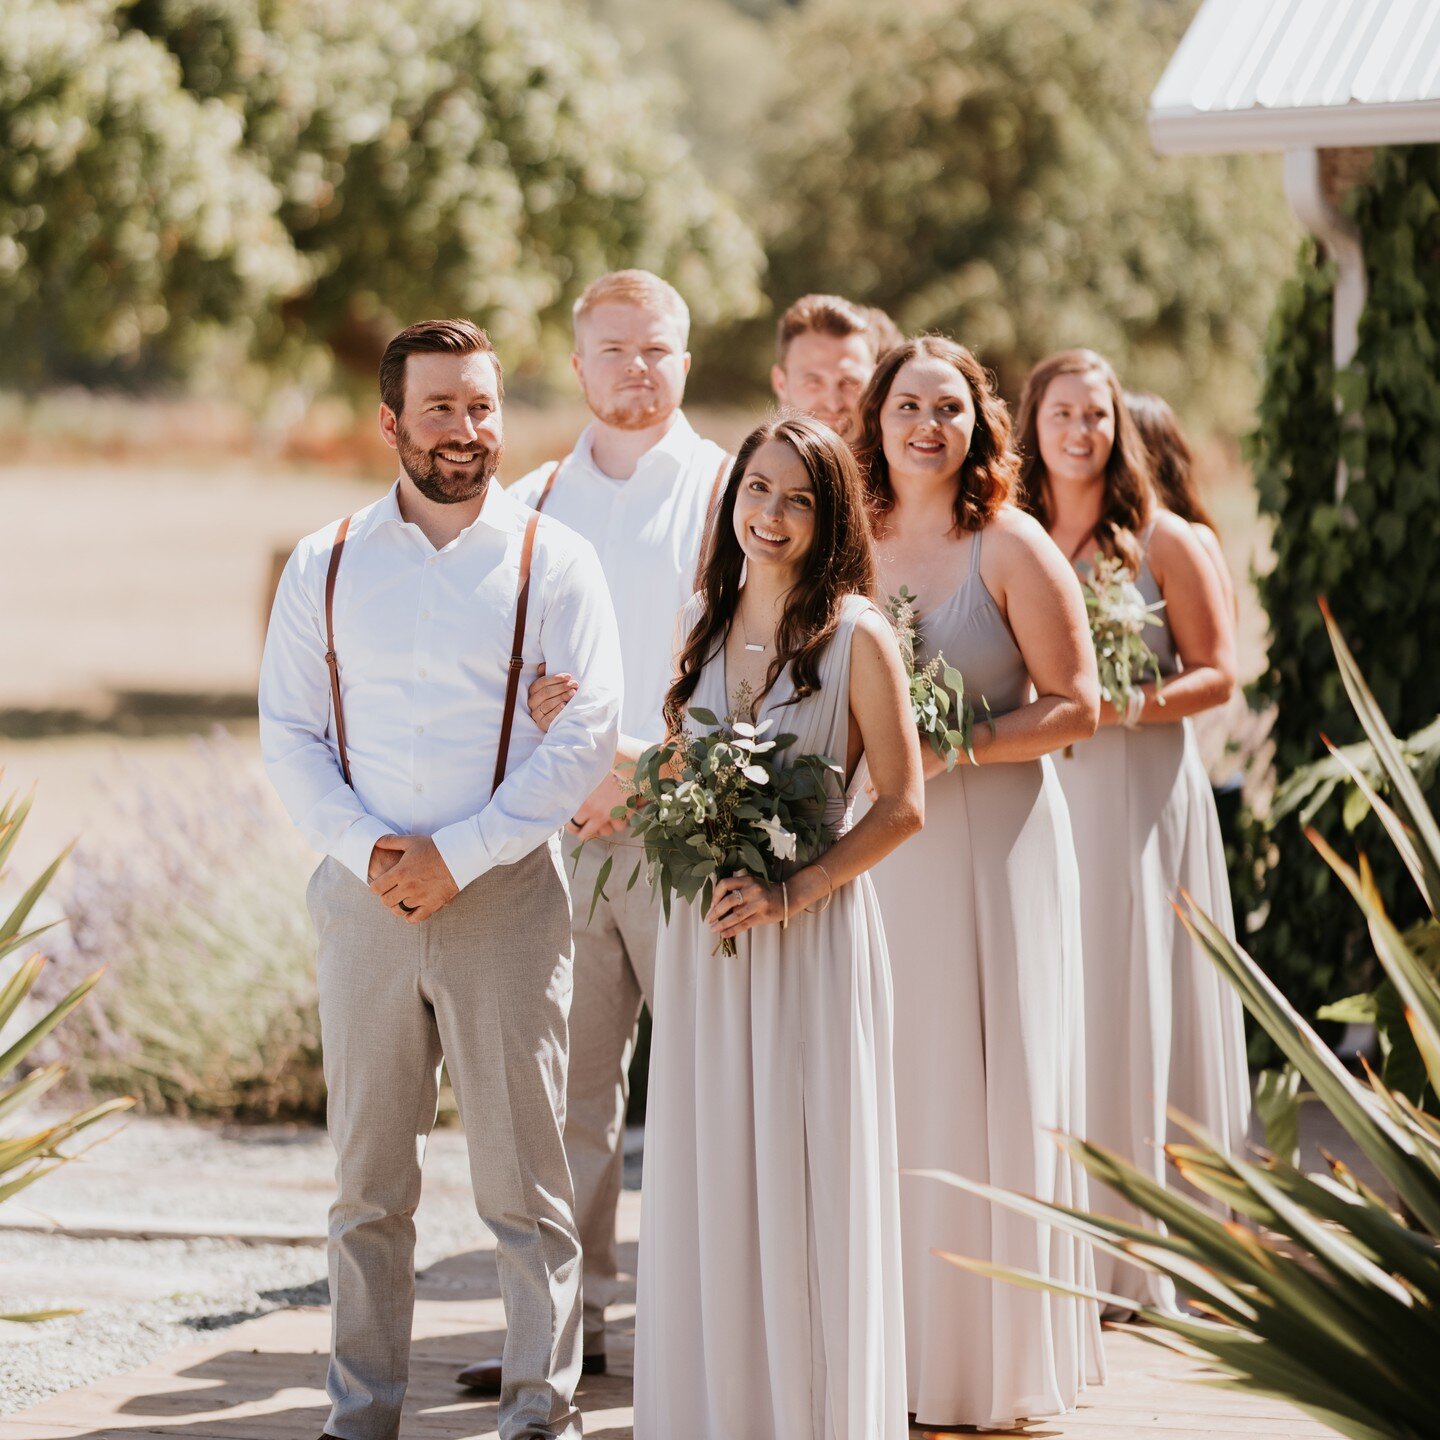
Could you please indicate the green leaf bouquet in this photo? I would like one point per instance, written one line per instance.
(944, 715)
(1118, 616)
(707, 806)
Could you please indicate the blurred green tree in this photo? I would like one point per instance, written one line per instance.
(396, 158)
(985, 169)
(130, 215)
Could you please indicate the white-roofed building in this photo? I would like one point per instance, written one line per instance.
(1324, 81)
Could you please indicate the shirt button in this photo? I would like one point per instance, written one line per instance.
(424, 614)
(419, 729)
(419, 789)
(422, 672)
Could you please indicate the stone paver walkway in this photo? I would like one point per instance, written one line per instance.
(264, 1380)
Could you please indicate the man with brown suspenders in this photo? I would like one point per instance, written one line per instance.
(640, 485)
(394, 727)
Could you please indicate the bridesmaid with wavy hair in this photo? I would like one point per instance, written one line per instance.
(1138, 797)
(768, 1302)
(982, 909)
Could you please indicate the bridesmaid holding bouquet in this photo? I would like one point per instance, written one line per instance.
(982, 909)
(769, 1284)
(1138, 797)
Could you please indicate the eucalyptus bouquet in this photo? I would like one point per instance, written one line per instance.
(707, 806)
(943, 713)
(1118, 617)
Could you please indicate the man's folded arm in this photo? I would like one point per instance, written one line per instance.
(294, 716)
(578, 635)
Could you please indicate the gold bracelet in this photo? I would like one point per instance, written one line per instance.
(829, 890)
(785, 896)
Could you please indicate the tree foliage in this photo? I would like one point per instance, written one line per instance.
(1375, 554)
(985, 170)
(485, 157)
(129, 209)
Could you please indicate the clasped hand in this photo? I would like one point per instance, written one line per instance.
(742, 902)
(408, 873)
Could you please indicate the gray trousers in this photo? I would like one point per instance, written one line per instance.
(486, 984)
(614, 972)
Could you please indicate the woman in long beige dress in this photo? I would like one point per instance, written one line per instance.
(1144, 818)
(982, 909)
(769, 1282)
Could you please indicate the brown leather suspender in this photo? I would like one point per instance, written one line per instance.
(331, 659)
(517, 648)
(709, 507)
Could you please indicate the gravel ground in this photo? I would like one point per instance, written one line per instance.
(144, 1297)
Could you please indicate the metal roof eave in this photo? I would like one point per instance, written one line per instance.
(1186, 131)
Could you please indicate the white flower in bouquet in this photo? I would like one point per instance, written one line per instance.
(783, 842)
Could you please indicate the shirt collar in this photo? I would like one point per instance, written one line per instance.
(675, 447)
(500, 511)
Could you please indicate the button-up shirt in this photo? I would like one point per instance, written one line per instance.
(647, 531)
(423, 638)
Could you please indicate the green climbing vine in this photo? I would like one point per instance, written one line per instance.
(1374, 552)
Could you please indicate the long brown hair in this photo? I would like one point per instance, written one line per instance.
(839, 562)
(1172, 465)
(1125, 511)
(990, 470)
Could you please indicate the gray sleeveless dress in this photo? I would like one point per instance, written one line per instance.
(1163, 1027)
(982, 915)
(769, 1302)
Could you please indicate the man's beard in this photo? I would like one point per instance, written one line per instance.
(628, 410)
(424, 469)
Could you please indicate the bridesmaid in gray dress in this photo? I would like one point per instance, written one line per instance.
(982, 909)
(1143, 813)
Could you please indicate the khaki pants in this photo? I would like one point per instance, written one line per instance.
(485, 984)
(614, 972)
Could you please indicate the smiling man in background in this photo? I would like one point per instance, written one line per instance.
(826, 349)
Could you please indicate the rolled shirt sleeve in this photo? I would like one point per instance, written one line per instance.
(578, 636)
(301, 760)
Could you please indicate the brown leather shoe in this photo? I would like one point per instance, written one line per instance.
(484, 1377)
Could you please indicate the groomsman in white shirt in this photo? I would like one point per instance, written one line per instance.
(639, 485)
(393, 723)
(826, 349)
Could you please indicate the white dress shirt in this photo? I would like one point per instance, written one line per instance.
(423, 638)
(647, 531)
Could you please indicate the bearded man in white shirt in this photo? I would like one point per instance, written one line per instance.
(394, 727)
(639, 484)
(826, 349)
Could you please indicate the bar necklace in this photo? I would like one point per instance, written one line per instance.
(750, 645)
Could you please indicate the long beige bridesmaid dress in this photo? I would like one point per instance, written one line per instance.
(1162, 1026)
(769, 1280)
(982, 914)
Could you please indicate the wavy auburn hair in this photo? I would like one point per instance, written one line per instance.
(839, 562)
(990, 470)
(1172, 466)
(1125, 510)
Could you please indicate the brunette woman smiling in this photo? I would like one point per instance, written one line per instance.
(769, 1280)
(982, 910)
(1140, 803)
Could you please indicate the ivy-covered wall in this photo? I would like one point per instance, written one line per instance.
(1375, 554)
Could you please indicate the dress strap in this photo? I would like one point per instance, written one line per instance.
(975, 555)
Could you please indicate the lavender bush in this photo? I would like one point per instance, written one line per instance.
(197, 905)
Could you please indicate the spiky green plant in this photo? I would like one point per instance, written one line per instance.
(1330, 1297)
(27, 1157)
